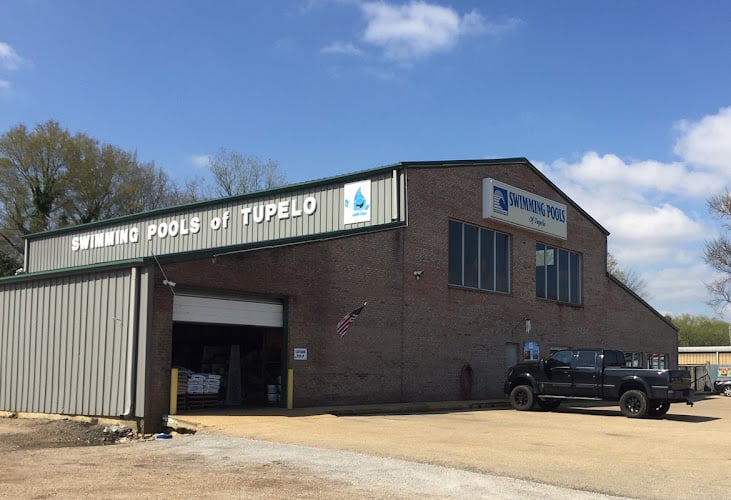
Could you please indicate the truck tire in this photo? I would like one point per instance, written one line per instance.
(522, 397)
(548, 404)
(658, 407)
(633, 404)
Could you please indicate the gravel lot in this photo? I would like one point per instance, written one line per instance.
(473, 454)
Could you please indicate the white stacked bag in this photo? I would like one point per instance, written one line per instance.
(204, 383)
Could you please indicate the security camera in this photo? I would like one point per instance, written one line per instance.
(168, 283)
(418, 274)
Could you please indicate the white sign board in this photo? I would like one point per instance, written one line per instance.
(521, 208)
(357, 202)
(300, 354)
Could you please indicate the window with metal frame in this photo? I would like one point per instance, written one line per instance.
(657, 361)
(634, 359)
(478, 257)
(558, 274)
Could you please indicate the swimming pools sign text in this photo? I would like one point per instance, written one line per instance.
(521, 208)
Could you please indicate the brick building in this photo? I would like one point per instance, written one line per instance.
(465, 263)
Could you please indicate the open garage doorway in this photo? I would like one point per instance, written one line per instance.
(228, 352)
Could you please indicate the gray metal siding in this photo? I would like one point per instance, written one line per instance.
(64, 344)
(54, 251)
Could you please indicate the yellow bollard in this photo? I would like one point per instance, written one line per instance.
(290, 391)
(173, 391)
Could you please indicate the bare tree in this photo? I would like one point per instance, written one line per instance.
(718, 252)
(235, 173)
(629, 277)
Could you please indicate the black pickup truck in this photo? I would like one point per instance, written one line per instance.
(596, 374)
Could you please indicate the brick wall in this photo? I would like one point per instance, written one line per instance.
(320, 282)
(449, 326)
(414, 336)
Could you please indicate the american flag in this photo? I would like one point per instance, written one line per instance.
(344, 323)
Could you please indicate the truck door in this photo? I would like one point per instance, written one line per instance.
(558, 374)
(585, 369)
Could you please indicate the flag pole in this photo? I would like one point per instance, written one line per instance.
(344, 324)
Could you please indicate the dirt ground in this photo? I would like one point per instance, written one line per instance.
(589, 448)
(33, 434)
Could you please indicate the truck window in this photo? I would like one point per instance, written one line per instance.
(614, 358)
(562, 358)
(586, 358)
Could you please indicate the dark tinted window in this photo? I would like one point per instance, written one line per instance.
(455, 252)
(558, 274)
(478, 257)
(502, 263)
(586, 358)
(563, 276)
(487, 260)
(562, 358)
(614, 358)
(551, 274)
(471, 256)
(540, 270)
(575, 279)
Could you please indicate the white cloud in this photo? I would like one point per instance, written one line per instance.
(418, 29)
(656, 211)
(200, 161)
(9, 59)
(707, 142)
(474, 23)
(641, 221)
(345, 48)
(410, 31)
(4, 85)
(680, 285)
(611, 171)
(645, 218)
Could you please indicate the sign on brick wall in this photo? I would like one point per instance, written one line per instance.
(522, 208)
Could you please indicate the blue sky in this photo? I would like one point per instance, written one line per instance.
(625, 106)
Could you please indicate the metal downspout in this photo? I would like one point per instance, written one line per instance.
(132, 332)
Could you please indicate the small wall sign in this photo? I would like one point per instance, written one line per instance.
(531, 351)
(300, 354)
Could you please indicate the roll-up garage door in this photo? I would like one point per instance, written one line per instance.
(227, 311)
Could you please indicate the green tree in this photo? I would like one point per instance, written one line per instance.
(50, 178)
(8, 264)
(629, 277)
(32, 167)
(235, 173)
(701, 331)
(108, 182)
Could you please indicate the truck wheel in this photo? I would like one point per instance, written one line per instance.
(727, 391)
(522, 397)
(633, 404)
(658, 407)
(549, 404)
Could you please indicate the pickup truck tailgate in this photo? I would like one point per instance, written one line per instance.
(679, 380)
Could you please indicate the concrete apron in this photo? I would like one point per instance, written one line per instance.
(196, 420)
